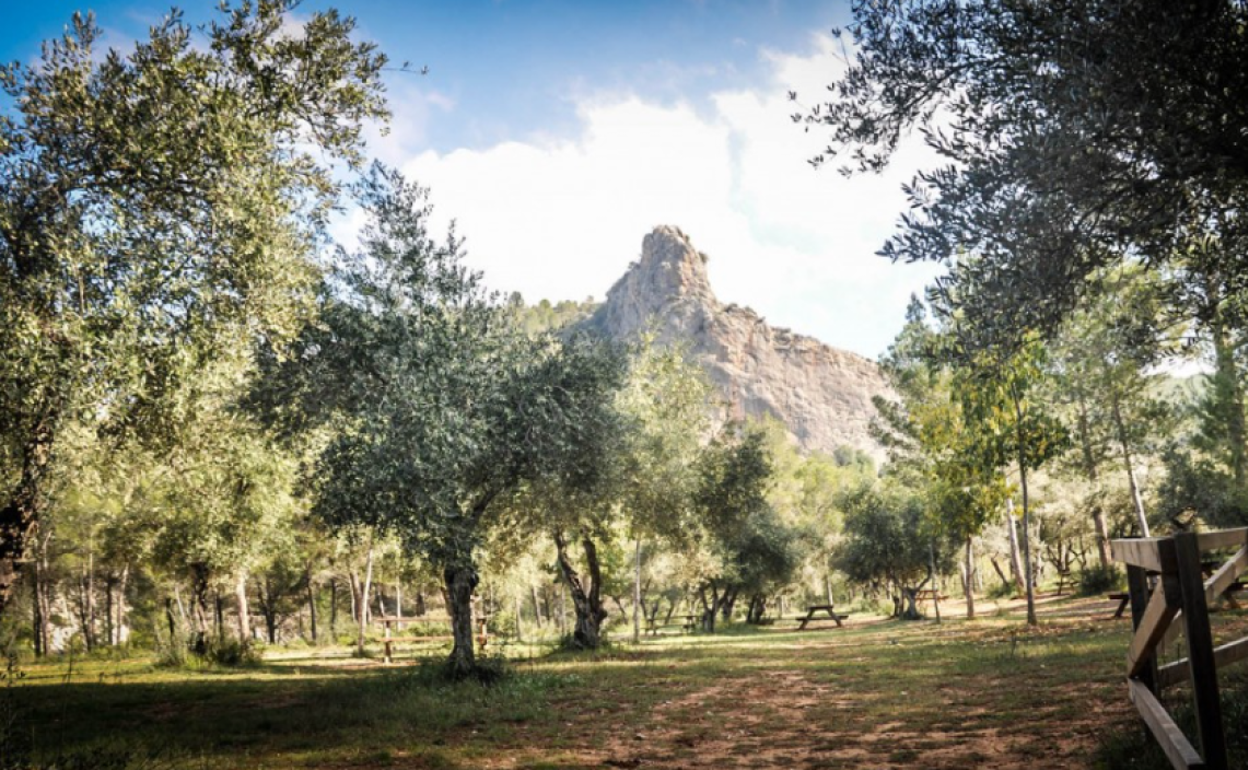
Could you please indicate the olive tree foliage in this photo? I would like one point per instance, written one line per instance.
(156, 207)
(644, 486)
(1099, 127)
(888, 542)
(666, 407)
(747, 548)
(1078, 137)
(439, 410)
(804, 492)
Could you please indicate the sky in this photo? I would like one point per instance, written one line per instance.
(557, 134)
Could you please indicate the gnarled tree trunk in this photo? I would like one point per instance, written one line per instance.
(20, 514)
(461, 580)
(586, 594)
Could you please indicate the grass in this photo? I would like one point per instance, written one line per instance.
(887, 694)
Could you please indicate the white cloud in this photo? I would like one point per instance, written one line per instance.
(562, 219)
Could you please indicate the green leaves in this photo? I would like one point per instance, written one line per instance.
(158, 213)
(440, 411)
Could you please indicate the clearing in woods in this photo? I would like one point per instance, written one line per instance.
(875, 694)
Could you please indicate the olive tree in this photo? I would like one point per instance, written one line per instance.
(439, 411)
(155, 207)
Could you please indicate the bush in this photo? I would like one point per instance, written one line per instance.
(233, 653)
(171, 651)
(1099, 580)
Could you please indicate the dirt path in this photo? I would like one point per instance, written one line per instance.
(939, 698)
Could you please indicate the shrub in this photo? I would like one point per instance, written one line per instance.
(233, 653)
(1099, 580)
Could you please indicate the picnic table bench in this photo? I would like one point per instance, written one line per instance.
(1122, 599)
(828, 608)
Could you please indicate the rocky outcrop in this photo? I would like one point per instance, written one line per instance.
(823, 395)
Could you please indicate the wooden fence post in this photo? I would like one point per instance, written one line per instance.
(1137, 586)
(1200, 652)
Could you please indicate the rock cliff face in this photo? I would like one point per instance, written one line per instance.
(823, 395)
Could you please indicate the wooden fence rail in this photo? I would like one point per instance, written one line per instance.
(1166, 584)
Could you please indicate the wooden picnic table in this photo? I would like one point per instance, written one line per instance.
(388, 642)
(689, 623)
(828, 608)
(928, 594)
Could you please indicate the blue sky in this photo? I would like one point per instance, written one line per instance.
(558, 133)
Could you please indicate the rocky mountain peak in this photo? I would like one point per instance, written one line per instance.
(821, 394)
(669, 280)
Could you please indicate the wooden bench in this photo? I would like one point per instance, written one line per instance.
(389, 642)
(929, 594)
(828, 608)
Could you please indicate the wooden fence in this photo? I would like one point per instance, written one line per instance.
(1170, 592)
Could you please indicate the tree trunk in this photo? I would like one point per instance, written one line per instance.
(88, 590)
(353, 579)
(36, 620)
(909, 608)
(637, 593)
(515, 603)
(42, 592)
(311, 603)
(110, 585)
(398, 604)
(563, 610)
(333, 610)
(362, 603)
(20, 514)
(461, 580)
(931, 575)
(1093, 474)
(709, 608)
(757, 608)
(122, 629)
(970, 578)
(1022, 480)
(1006, 583)
(199, 607)
(242, 607)
(537, 607)
(1136, 498)
(1016, 563)
(726, 603)
(586, 594)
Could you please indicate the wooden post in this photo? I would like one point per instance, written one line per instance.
(1200, 652)
(1137, 585)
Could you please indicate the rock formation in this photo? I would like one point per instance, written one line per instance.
(823, 395)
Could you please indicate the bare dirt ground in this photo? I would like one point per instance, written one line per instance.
(988, 693)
